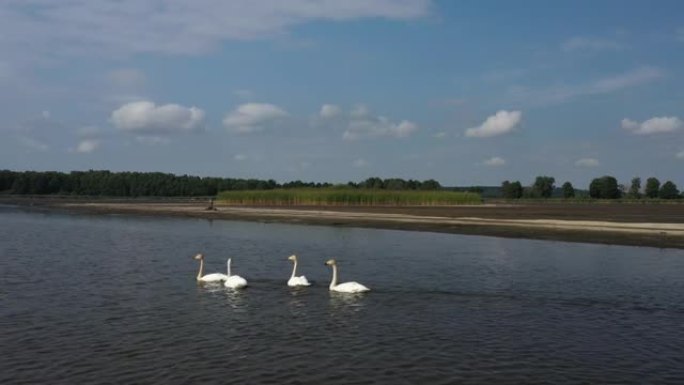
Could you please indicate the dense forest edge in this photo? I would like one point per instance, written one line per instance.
(369, 191)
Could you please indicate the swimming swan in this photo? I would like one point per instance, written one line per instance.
(214, 277)
(234, 281)
(347, 287)
(295, 281)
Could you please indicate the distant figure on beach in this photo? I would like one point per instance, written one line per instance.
(211, 205)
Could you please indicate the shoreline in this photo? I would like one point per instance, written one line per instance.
(620, 224)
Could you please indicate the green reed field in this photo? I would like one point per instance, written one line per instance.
(347, 197)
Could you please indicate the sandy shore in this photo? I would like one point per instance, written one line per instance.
(622, 224)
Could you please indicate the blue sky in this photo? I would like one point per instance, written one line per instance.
(465, 92)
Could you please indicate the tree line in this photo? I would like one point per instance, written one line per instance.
(142, 184)
(605, 187)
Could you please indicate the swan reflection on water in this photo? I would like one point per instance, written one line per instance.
(236, 299)
(346, 301)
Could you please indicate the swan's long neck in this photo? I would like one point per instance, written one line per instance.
(294, 269)
(201, 269)
(333, 283)
(228, 267)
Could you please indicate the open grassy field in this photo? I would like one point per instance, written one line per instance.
(347, 197)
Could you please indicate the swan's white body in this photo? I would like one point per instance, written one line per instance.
(347, 287)
(209, 278)
(233, 281)
(295, 281)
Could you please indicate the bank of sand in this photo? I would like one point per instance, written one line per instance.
(656, 225)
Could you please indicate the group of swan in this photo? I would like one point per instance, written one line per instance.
(237, 282)
(229, 280)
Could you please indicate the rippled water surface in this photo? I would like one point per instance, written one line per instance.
(113, 299)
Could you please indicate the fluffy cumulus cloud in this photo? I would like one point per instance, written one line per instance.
(656, 125)
(587, 162)
(364, 125)
(87, 146)
(167, 26)
(252, 117)
(329, 111)
(500, 123)
(495, 162)
(145, 117)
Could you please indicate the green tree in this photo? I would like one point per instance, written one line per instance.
(668, 191)
(543, 186)
(568, 190)
(635, 189)
(395, 184)
(652, 187)
(605, 187)
(374, 183)
(430, 184)
(512, 190)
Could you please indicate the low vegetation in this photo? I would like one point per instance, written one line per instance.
(348, 196)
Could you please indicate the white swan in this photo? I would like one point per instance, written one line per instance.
(234, 281)
(347, 287)
(209, 278)
(295, 281)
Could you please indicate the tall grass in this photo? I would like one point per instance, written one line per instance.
(347, 197)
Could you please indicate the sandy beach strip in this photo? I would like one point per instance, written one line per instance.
(653, 234)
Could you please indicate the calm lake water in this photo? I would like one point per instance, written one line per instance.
(113, 299)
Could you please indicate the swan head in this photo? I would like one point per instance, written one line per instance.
(330, 262)
(292, 258)
(198, 256)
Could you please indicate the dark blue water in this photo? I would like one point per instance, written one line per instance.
(113, 299)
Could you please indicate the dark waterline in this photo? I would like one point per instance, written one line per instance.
(112, 299)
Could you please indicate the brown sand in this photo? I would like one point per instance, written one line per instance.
(657, 225)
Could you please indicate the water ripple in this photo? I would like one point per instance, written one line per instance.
(103, 300)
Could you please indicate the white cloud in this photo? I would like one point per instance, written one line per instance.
(439, 135)
(495, 162)
(587, 162)
(680, 155)
(251, 117)
(360, 163)
(240, 157)
(563, 93)
(656, 125)
(152, 140)
(145, 117)
(500, 123)
(380, 126)
(85, 27)
(359, 111)
(329, 111)
(87, 146)
(580, 43)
